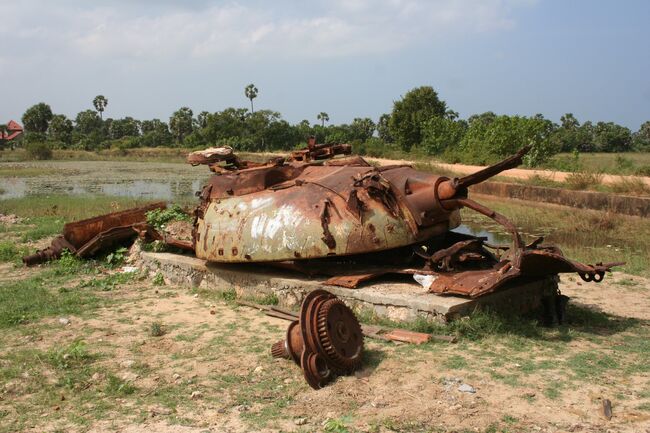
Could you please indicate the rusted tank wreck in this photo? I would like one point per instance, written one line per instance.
(345, 218)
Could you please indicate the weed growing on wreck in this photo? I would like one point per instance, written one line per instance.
(117, 257)
(68, 264)
(159, 217)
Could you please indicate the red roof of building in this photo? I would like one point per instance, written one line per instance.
(13, 131)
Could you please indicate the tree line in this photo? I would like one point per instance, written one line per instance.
(420, 123)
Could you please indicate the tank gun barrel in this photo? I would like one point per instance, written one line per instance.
(450, 188)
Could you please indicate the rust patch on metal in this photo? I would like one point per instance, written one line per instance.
(325, 222)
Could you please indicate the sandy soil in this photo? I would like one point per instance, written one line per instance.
(403, 388)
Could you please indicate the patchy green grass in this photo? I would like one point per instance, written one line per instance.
(22, 171)
(66, 208)
(41, 227)
(10, 252)
(118, 387)
(31, 299)
(586, 365)
(627, 163)
(50, 292)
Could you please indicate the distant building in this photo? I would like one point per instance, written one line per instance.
(10, 133)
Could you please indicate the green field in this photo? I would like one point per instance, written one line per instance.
(629, 163)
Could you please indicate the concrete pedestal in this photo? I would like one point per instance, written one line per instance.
(398, 300)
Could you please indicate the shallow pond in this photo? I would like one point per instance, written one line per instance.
(156, 181)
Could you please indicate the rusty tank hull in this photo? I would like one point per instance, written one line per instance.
(352, 221)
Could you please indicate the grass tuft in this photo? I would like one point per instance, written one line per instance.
(157, 329)
(580, 180)
(118, 387)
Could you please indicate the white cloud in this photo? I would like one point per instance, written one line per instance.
(335, 28)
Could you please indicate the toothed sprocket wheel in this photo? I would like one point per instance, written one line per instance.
(325, 341)
(340, 335)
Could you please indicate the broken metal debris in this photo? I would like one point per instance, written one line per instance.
(87, 237)
(607, 409)
(325, 341)
(347, 219)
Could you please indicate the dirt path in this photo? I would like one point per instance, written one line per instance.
(211, 372)
(517, 173)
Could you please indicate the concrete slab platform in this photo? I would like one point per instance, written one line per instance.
(394, 299)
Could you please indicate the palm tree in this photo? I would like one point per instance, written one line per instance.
(323, 117)
(100, 103)
(251, 93)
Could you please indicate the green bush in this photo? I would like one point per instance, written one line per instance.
(491, 138)
(38, 150)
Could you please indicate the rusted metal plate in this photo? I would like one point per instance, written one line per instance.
(353, 281)
(78, 233)
(106, 240)
(86, 237)
(405, 336)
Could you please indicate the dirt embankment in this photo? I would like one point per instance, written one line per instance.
(516, 173)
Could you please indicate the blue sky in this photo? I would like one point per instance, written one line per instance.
(349, 58)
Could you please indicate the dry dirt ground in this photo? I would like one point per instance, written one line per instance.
(149, 357)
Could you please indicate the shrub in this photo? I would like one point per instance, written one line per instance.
(624, 164)
(157, 329)
(38, 150)
(158, 280)
(490, 138)
(583, 180)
